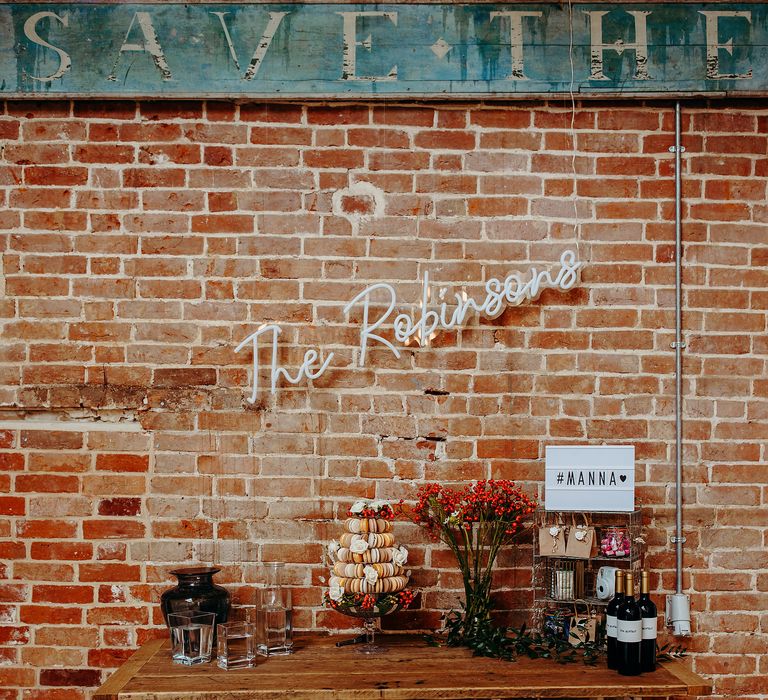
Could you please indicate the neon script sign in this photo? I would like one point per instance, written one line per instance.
(421, 323)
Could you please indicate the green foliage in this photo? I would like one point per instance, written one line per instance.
(485, 638)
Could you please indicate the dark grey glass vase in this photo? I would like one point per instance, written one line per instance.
(196, 592)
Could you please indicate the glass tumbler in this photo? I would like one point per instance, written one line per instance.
(191, 637)
(236, 645)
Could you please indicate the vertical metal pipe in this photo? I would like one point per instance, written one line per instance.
(678, 362)
(678, 605)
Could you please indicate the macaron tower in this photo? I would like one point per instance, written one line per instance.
(368, 564)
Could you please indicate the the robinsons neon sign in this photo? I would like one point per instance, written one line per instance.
(421, 323)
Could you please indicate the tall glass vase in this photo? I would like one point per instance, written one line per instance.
(275, 611)
(477, 604)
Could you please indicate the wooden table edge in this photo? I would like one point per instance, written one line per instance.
(110, 690)
(695, 683)
(692, 684)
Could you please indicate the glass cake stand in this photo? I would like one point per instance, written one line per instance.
(369, 608)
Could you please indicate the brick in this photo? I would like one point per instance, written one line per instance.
(117, 615)
(25, 154)
(119, 506)
(103, 153)
(223, 223)
(56, 220)
(47, 483)
(109, 572)
(159, 153)
(46, 529)
(17, 677)
(62, 551)
(13, 593)
(444, 140)
(11, 462)
(70, 677)
(153, 177)
(505, 119)
(46, 175)
(111, 529)
(12, 505)
(271, 113)
(9, 129)
(217, 156)
(197, 376)
(62, 594)
(216, 133)
(50, 615)
(108, 658)
(334, 158)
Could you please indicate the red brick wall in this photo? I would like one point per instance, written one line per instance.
(142, 243)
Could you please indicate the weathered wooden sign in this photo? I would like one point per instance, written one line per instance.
(318, 50)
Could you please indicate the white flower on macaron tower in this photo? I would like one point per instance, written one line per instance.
(400, 556)
(336, 590)
(333, 548)
(357, 507)
(371, 575)
(358, 545)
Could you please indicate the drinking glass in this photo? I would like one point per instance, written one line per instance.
(236, 645)
(191, 637)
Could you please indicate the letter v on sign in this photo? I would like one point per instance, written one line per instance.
(275, 19)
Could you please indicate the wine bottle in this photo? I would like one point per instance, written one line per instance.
(610, 620)
(648, 614)
(629, 631)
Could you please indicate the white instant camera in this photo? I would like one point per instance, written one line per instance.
(606, 582)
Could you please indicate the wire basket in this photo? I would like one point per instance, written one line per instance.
(559, 580)
(565, 579)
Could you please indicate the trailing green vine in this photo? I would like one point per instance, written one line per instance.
(509, 643)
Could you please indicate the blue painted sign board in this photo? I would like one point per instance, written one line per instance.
(436, 50)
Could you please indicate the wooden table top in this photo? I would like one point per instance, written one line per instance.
(409, 670)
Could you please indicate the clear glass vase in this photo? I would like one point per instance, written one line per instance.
(274, 611)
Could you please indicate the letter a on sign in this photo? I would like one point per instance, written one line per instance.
(151, 46)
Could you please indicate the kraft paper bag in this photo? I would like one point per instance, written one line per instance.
(582, 542)
(584, 625)
(552, 541)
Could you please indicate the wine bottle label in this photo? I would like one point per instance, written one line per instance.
(610, 625)
(629, 631)
(649, 628)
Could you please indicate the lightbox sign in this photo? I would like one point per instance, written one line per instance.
(589, 478)
(322, 50)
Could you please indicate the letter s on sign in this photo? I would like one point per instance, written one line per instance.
(30, 31)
